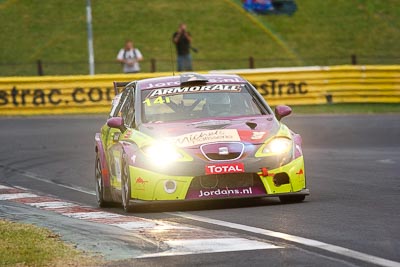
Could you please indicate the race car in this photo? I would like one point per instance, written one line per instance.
(196, 137)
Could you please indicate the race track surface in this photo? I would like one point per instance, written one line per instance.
(352, 164)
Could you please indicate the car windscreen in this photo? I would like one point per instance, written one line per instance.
(197, 102)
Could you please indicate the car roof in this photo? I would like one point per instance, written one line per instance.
(173, 81)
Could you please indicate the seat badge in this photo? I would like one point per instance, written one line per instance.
(223, 151)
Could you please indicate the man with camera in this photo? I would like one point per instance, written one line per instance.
(182, 40)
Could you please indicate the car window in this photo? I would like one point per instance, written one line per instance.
(128, 109)
(196, 102)
(117, 103)
(114, 105)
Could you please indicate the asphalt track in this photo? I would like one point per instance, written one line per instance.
(353, 172)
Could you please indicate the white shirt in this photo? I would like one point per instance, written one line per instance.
(132, 55)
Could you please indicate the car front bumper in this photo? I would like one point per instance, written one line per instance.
(149, 185)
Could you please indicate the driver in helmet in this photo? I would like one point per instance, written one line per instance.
(218, 104)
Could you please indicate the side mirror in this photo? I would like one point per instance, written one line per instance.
(117, 123)
(282, 111)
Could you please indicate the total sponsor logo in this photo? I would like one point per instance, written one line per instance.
(224, 168)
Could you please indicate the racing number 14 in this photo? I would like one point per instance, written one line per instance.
(158, 100)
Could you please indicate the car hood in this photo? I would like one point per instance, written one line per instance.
(252, 130)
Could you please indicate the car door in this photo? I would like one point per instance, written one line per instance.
(113, 146)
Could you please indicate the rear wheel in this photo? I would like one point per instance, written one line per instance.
(100, 190)
(292, 199)
(126, 188)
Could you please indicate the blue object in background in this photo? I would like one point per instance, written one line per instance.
(270, 6)
(258, 6)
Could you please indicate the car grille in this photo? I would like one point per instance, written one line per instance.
(222, 181)
(222, 151)
(216, 156)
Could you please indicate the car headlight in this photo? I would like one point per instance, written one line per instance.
(278, 145)
(162, 153)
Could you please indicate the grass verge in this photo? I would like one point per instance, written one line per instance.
(28, 245)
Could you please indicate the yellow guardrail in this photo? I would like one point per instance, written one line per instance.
(291, 86)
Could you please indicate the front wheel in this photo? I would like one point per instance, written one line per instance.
(126, 188)
(292, 199)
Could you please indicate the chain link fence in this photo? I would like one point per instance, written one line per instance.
(43, 67)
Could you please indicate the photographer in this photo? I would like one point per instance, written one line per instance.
(182, 40)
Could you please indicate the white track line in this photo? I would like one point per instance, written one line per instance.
(300, 240)
(38, 178)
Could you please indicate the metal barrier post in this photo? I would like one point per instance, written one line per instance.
(251, 62)
(39, 67)
(153, 65)
(353, 59)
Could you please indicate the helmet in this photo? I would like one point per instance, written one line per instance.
(218, 104)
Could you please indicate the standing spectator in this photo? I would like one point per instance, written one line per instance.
(182, 40)
(129, 56)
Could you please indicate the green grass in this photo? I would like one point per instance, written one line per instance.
(326, 32)
(367, 108)
(27, 245)
(319, 33)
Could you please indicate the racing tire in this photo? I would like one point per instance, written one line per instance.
(292, 199)
(126, 188)
(101, 191)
